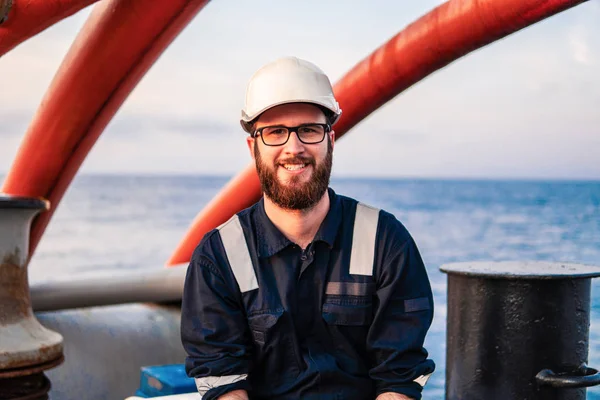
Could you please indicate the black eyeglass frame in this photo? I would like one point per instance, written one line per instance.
(326, 130)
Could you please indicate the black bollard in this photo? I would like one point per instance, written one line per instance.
(518, 330)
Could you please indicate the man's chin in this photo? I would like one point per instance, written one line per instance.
(293, 181)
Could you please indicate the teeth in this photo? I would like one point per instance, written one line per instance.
(293, 167)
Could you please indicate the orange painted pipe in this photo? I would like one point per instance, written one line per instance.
(115, 48)
(27, 18)
(445, 34)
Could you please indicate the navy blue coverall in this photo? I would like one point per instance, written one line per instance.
(310, 330)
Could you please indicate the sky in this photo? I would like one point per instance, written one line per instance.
(524, 107)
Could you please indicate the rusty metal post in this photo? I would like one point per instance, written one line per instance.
(26, 347)
(518, 330)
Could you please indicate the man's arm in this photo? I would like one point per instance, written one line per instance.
(235, 395)
(403, 315)
(214, 331)
(393, 396)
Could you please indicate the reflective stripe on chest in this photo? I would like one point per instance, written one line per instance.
(362, 256)
(236, 250)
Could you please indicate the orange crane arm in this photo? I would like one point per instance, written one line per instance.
(117, 45)
(443, 35)
(27, 18)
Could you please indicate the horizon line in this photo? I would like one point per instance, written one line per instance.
(335, 177)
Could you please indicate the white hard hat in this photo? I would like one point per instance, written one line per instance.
(288, 80)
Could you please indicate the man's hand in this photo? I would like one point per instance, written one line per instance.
(236, 395)
(393, 396)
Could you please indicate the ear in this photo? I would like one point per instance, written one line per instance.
(250, 142)
(332, 137)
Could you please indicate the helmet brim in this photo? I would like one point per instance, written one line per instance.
(247, 121)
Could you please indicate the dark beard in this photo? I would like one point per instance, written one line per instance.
(295, 195)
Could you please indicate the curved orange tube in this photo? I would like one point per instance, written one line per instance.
(28, 18)
(113, 51)
(445, 34)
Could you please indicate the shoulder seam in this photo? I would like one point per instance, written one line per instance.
(209, 265)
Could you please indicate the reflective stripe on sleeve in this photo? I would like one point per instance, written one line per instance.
(362, 256)
(422, 380)
(205, 384)
(238, 254)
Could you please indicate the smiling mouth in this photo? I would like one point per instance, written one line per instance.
(294, 167)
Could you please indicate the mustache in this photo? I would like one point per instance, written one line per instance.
(297, 160)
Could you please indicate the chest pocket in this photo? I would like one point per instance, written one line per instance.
(351, 303)
(348, 303)
(348, 313)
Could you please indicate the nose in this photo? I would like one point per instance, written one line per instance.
(294, 145)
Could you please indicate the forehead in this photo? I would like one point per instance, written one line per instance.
(291, 115)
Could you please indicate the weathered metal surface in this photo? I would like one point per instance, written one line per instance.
(31, 387)
(5, 6)
(16, 202)
(506, 325)
(522, 270)
(26, 347)
(584, 376)
(31, 369)
(105, 347)
(14, 291)
(109, 288)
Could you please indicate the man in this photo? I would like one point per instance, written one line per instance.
(307, 294)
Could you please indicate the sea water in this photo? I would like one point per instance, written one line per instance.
(109, 223)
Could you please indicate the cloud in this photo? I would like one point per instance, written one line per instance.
(532, 95)
(142, 124)
(581, 50)
(371, 132)
(168, 152)
(584, 43)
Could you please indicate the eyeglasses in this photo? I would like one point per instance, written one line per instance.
(279, 135)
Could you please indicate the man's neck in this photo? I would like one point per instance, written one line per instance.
(299, 226)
